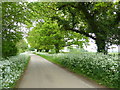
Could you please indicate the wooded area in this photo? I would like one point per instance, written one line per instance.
(48, 28)
(58, 22)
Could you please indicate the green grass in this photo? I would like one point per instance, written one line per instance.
(49, 58)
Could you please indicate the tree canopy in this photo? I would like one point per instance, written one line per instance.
(48, 35)
(96, 20)
(13, 15)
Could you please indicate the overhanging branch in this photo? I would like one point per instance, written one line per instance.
(74, 30)
(83, 33)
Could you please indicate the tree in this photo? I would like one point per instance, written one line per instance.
(13, 14)
(48, 35)
(100, 19)
(22, 46)
(97, 20)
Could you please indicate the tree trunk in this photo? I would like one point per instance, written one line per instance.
(40, 50)
(37, 50)
(57, 48)
(101, 45)
(46, 50)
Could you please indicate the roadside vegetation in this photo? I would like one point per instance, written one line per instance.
(11, 69)
(51, 26)
(104, 69)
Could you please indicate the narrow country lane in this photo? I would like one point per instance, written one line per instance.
(41, 73)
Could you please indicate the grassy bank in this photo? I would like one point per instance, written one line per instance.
(104, 69)
(11, 70)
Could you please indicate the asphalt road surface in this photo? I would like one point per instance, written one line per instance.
(41, 73)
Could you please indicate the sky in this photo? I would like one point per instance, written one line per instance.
(93, 48)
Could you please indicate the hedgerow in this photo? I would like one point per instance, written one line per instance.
(102, 68)
(11, 70)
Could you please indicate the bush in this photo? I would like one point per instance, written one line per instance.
(22, 46)
(11, 70)
(102, 68)
(9, 49)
